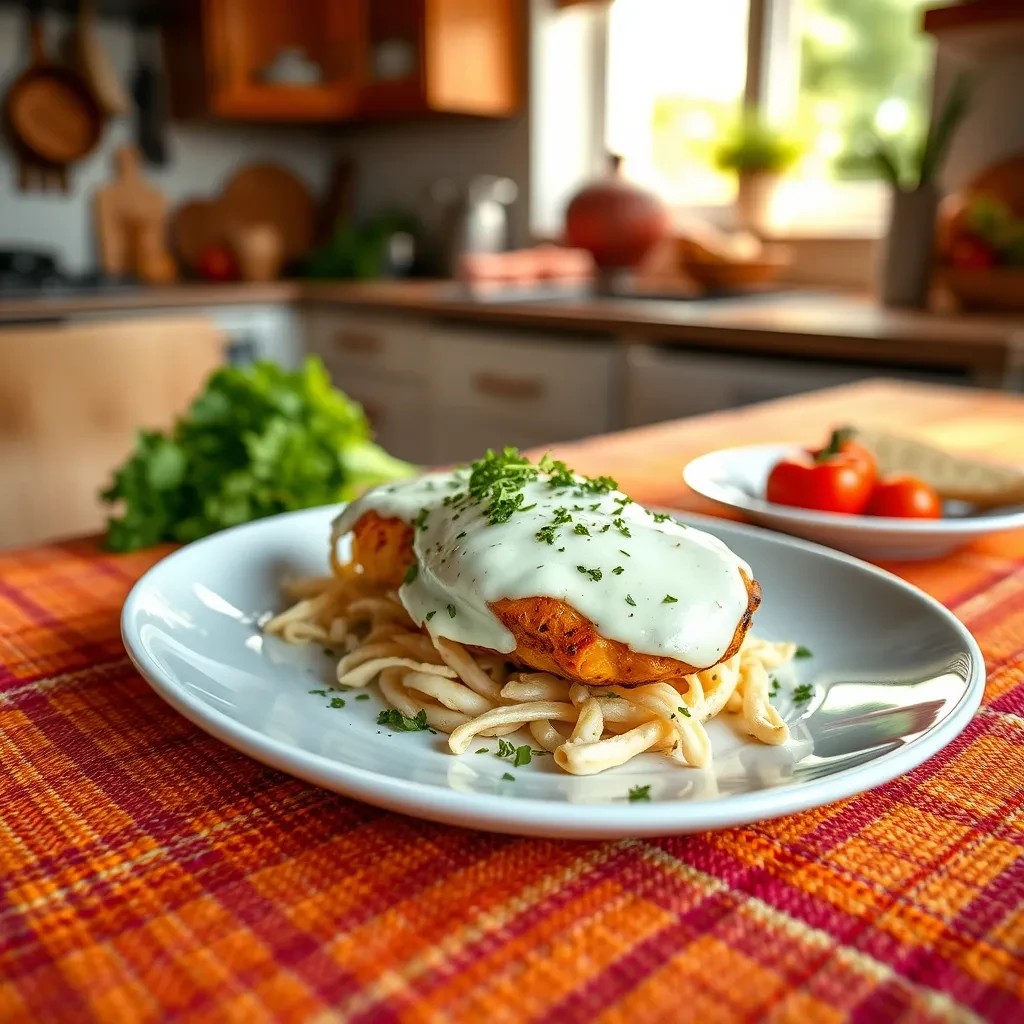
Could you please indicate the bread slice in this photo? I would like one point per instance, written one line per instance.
(957, 477)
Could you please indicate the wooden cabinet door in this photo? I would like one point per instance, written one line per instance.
(241, 45)
(71, 400)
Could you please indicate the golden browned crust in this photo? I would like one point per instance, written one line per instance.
(551, 636)
(382, 548)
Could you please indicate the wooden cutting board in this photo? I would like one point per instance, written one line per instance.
(131, 222)
(270, 194)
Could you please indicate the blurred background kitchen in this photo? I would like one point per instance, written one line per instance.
(496, 221)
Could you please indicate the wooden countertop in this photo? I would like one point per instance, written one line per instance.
(822, 325)
(648, 461)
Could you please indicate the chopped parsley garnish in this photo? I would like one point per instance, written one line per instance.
(606, 527)
(626, 553)
(362, 696)
(451, 611)
(581, 530)
(411, 573)
(661, 517)
(459, 536)
(482, 750)
(319, 693)
(403, 723)
(430, 615)
(508, 777)
(685, 712)
(803, 693)
(620, 524)
(420, 522)
(802, 652)
(561, 549)
(637, 793)
(630, 601)
(595, 506)
(337, 702)
(774, 688)
(594, 574)
(546, 534)
(498, 480)
(517, 755)
(618, 570)
(669, 599)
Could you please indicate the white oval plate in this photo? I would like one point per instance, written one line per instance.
(736, 477)
(895, 677)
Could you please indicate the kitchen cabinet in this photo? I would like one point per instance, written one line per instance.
(668, 383)
(367, 59)
(380, 362)
(63, 432)
(438, 393)
(524, 388)
(443, 56)
(237, 50)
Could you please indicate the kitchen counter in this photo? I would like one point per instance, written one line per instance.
(822, 325)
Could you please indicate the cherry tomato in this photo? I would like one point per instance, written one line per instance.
(968, 251)
(216, 263)
(904, 497)
(836, 478)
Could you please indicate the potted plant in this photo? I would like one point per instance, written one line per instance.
(909, 243)
(759, 154)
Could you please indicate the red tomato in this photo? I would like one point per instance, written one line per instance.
(216, 263)
(836, 478)
(968, 251)
(905, 497)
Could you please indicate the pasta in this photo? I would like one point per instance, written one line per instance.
(469, 695)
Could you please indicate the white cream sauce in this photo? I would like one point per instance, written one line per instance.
(624, 584)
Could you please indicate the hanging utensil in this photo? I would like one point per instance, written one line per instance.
(95, 66)
(150, 95)
(50, 115)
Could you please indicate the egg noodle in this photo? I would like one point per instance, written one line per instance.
(468, 694)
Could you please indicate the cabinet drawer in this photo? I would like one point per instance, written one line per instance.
(369, 344)
(398, 411)
(569, 386)
(665, 385)
(460, 435)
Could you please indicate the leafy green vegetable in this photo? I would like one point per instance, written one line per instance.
(258, 440)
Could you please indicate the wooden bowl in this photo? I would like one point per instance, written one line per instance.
(986, 287)
(740, 275)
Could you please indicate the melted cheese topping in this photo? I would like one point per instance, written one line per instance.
(657, 586)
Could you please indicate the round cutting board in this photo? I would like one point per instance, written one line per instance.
(271, 194)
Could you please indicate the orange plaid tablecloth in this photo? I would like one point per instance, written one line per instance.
(150, 873)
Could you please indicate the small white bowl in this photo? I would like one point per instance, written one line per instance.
(736, 478)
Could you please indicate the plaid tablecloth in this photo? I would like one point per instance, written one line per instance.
(150, 873)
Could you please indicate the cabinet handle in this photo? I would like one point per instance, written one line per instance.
(519, 389)
(358, 341)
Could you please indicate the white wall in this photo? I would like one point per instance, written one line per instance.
(202, 157)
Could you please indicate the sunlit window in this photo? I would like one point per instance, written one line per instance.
(676, 74)
(837, 73)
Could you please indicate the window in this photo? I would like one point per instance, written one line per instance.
(835, 72)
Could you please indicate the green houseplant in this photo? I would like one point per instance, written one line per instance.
(760, 154)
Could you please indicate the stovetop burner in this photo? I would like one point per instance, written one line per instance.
(28, 273)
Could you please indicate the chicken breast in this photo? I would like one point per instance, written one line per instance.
(550, 635)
